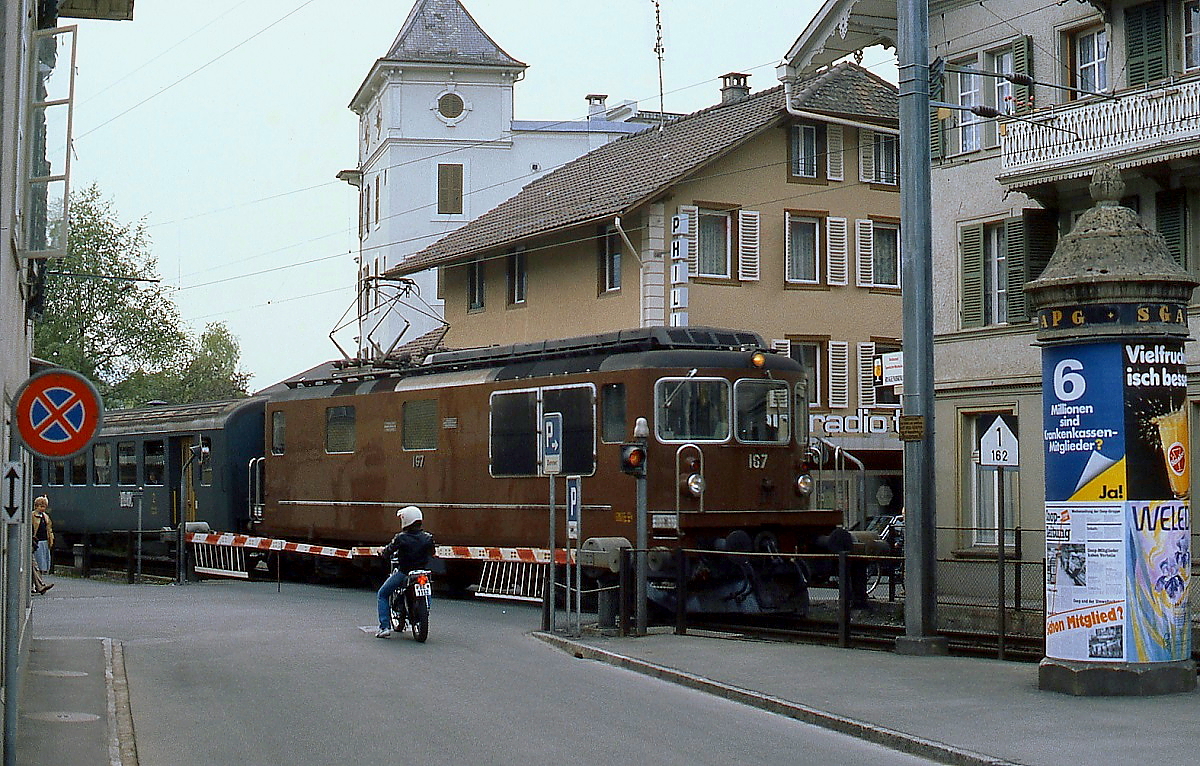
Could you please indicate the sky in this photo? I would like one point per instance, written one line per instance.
(223, 124)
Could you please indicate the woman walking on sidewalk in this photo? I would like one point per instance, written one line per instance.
(43, 542)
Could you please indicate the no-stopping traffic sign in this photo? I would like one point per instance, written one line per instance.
(57, 413)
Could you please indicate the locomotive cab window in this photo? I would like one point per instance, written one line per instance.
(156, 463)
(102, 464)
(763, 414)
(339, 429)
(691, 409)
(800, 406)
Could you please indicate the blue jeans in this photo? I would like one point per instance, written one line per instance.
(394, 581)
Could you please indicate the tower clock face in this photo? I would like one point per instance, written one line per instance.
(450, 106)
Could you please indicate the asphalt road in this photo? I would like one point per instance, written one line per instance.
(237, 673)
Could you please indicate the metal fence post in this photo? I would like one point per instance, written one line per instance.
(680, 592)
(844, 596)
(623, 580)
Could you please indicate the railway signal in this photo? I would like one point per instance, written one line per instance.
(633, 458)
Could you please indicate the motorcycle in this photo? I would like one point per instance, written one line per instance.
(410, 604)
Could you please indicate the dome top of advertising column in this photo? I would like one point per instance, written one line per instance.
(1110, 260)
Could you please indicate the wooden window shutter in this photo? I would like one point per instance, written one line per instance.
(866, 155)
(834, 159)
(693, 237)
(782, 346)
(749, 222)
(1146, 43)
(971, 253)
(937, 92)
(1015, 247)
(450, 189)
(866, 374)
(1041, 237)
(1170, 217)
(837, 243)
(864, 231)
(839, 373)
(1023, 95)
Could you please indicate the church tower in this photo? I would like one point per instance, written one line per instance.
(437, 147)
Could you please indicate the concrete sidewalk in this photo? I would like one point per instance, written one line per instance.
(952, 709)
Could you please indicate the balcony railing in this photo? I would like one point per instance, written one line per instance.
(1141, 126)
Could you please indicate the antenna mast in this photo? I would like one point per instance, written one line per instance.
(659, 50)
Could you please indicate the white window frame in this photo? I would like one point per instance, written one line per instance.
(1096, 67)
(517, 277)
(793, 349)
(50, 92)
(969, 95)
(887, 159)
(612, 260)
(476, 286)
(1191, 35)
(1001, 62)
(727, 217)
(876, 228)
(804, 163)
(995, 274)
(789, 253)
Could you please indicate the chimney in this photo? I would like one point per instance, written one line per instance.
(596, 106)
(734, 87)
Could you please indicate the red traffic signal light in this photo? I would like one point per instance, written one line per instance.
(633, 458)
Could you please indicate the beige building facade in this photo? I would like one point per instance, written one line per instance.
(792, 231)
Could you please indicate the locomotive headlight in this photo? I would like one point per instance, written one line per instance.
(694, 485)
(758, 359)
(804, 484)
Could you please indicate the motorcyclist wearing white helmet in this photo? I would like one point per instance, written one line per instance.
(411, 548)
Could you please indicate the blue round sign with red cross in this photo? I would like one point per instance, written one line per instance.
(57, 413)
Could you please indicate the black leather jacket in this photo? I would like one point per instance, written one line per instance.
(409, 550)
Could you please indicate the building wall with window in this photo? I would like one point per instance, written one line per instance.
(1004, 190)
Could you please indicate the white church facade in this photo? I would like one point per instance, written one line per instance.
(437, 147)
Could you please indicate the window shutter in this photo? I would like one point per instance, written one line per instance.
(866, 155)
(1146, 43)
(1015, 249)
(748, 245)
(834, 159)
(836, 253)
(1022, 53)
(1170, 217)
(693, 237)
(1041, 237)
(866, 374)
(839, 374)
(865, 241)
(937, 92)
(782, 346)
(971, 251)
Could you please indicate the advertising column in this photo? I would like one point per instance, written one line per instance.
(1112, 317)
(1117, 515)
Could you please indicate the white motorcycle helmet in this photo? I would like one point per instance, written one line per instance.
(409, 515)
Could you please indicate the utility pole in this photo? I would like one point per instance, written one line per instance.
(917, 430)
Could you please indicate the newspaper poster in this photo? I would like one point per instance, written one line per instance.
(1085, 581)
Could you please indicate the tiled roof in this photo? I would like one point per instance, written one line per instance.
(619, 176)
(443, 32)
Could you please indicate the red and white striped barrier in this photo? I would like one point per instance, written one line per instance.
(461, 552)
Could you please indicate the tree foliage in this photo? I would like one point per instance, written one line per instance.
(105, 315)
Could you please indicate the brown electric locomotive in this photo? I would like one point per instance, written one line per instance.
(461, 436)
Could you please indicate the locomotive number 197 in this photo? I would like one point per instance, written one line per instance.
(757, 460)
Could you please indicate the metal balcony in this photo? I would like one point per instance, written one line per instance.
(1064, 142)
